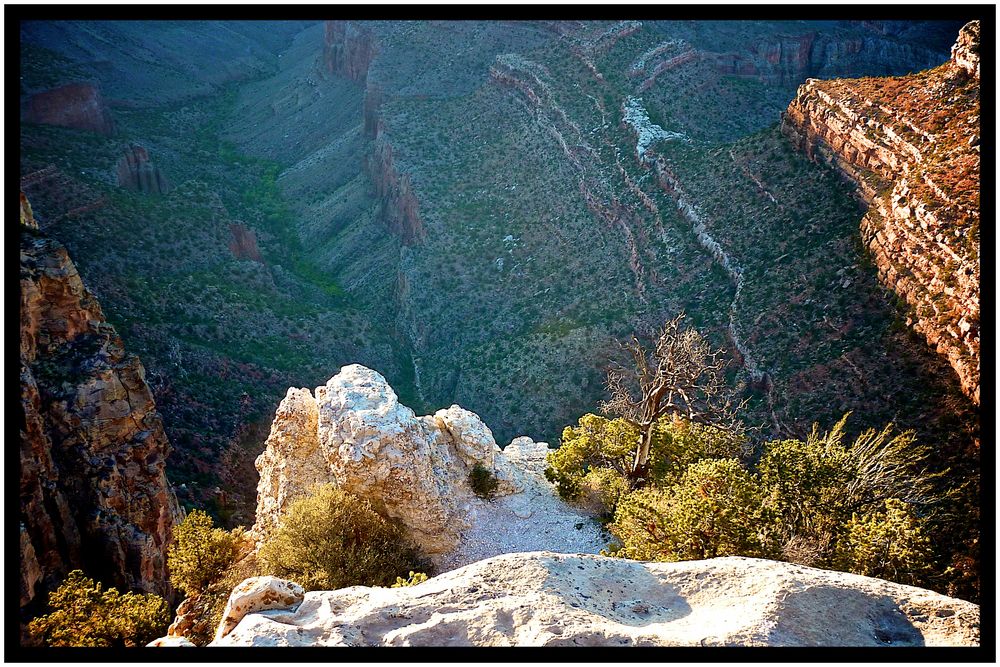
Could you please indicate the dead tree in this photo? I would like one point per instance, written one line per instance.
(680, 376)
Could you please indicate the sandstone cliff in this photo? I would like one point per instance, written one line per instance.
(76, 105)
(548, 599)
(355, 433)
(93, 493)
(912, 146)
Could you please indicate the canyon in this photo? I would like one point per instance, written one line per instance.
(474, 213)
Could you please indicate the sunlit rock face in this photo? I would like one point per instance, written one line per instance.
(354, 433)
(549, 599)
(912, 145)
(92, 448)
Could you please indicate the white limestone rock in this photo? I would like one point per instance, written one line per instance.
(257, 594)
(549, 599)
(168, 642)
(357, 435)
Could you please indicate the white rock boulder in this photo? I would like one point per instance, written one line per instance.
(257, 594)
(549, 599)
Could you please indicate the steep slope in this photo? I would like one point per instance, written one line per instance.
(548, 599)
(92, 448)
(912, 146)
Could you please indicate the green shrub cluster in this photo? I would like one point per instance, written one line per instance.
(862, 506)
(200, 553)
(482, 480)
(332, 539)
(414, 579)
(86, 614)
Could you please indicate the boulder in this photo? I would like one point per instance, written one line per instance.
(164, 642)
(549, 599)
(257, 594)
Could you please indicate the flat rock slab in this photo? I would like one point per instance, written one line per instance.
(549, 599)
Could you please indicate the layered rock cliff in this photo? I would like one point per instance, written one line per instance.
(912, 146)
(76, 105)
(93, 493)
(354, 432)
(548, 599)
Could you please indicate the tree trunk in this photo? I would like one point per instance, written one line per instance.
(641, 463)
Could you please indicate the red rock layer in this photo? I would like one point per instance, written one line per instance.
(912, 146)
(77, 105)
(244, 243)
(93, 493)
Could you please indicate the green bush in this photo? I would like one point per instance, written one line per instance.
(86, 614)
(482, 480)
(889, 544)
(200, 553)
(414, 579)
(596, 442)
(595, 457)
(713, 510)
(332, 539)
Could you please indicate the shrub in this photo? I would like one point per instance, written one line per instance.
(332, 539)
(414, 579)
(596, 442)
(482, 480)
(713, 510)
(86, 614)
(200, 553)
(889, 544)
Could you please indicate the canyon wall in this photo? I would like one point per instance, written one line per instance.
(348, 49)
(76, 105)
(912, 146)
(93, 491)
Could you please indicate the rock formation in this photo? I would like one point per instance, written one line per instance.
(243, 244)
(912, 146)
(548, 599)
(348, 49)
(399, 204)
(77, 105)
(92, 485)
(355, 433)
(137, 172)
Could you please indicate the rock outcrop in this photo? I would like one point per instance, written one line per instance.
(243, 243)
(348, 49)
(548, 599)
(399, 208)
(257, 594)
(137, 172)
(912, 146)
(93, 493)
(356, 434)
(76, 105)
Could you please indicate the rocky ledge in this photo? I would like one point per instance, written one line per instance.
(354, 432)
(549, 599)
(912, 146)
